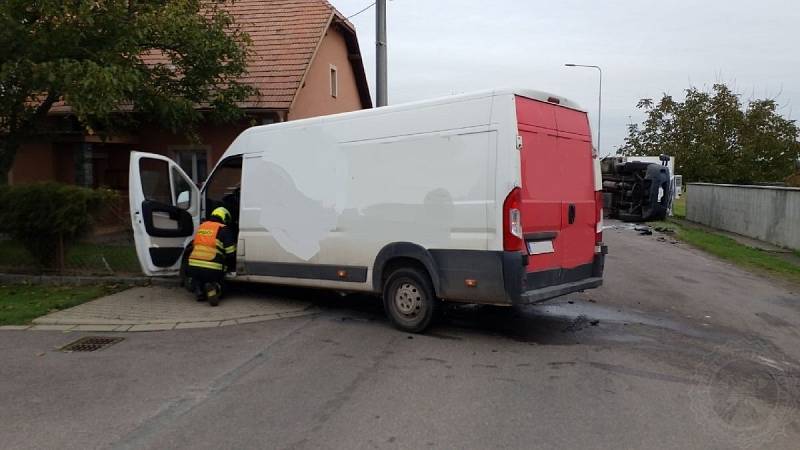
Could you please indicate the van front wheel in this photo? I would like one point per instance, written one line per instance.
(409, 300)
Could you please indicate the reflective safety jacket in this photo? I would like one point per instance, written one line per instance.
(214, 247)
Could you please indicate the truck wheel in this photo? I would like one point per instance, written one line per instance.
(409, 300)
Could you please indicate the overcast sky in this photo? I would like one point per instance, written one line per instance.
(646, 48)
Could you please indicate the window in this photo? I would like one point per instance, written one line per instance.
(223, 188)
(334, 82)
(194, 162)
(154, 174)
(182, 190)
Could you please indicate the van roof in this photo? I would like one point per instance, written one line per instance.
(528, 93)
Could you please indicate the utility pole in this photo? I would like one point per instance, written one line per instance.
(381, 80)
(599, 100)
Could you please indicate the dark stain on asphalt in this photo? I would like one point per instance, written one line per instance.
(577, 324)
(344, 355)
(509, 380)
(444, 336)
(686, 279)
(774, 321)
(433, 359)
(641, 373)
(792, 302)
(559, 364)
(485, 366)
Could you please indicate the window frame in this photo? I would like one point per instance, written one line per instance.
(177, 150)
(334, 81)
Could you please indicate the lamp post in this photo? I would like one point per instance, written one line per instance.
(599, 99)
(381, 84)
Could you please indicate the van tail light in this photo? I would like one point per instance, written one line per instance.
(598, 198)
(512, 222)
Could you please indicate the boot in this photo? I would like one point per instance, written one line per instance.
(212, 293)
(199, 292)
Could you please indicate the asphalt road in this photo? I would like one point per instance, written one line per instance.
(677, 350)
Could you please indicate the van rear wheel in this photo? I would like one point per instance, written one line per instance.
(409, 300)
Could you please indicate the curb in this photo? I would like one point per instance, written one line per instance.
(88, 279)
(162, 326)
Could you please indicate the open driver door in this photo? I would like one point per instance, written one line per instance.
(165, 211)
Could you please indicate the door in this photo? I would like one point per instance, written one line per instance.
(558, 201)
(165, 210)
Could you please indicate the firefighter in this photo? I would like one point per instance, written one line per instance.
(213, 255)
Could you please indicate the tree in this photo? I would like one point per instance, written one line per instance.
(117, 63)
(715, 139)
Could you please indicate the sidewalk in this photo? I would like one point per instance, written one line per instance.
(157, 308)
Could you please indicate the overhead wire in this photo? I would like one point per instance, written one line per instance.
(363, 10)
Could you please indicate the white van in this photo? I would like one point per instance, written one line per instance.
(489, 197)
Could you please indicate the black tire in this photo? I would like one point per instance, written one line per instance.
(409, 300)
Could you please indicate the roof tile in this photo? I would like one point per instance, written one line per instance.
(284, 35)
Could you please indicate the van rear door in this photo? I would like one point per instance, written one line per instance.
(559, 216)
(165, 210)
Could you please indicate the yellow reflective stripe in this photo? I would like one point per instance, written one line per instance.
(230, 249)
(205, 264)
(220, 244)
(203, 253)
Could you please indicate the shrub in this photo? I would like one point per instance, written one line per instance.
(48, 217)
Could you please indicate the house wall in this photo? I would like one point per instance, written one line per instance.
(314, 97)
(56, 161)
(43, 161)
(34, 162)
(770, 214)
(215, 139)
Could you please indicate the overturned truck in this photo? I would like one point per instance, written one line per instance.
(636, 191)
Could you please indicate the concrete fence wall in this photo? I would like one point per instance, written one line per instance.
(770, 214)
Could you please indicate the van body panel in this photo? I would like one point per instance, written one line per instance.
(333, 206)
(330, 202)
(558, 202)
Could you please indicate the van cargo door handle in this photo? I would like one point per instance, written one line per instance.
(571, 213)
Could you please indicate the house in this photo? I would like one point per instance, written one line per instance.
(305, 62)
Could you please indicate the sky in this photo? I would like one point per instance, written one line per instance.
(645, 48)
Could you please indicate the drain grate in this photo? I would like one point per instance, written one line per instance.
(91, 344)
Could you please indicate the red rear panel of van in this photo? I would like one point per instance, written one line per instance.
(558, 198)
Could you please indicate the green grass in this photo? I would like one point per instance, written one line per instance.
(728, 249)
(21, 303)
(82, 258)
(679, 207)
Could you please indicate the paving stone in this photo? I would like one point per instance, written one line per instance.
(155, 308)
(187, 325)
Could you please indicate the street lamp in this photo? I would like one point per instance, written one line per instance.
(599, 100)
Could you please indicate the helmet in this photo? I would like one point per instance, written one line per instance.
(222, 214)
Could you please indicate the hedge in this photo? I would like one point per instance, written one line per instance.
(46, 218)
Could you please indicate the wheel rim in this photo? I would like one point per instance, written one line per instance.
(409, 300)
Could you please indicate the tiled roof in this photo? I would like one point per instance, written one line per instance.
(285, 35)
